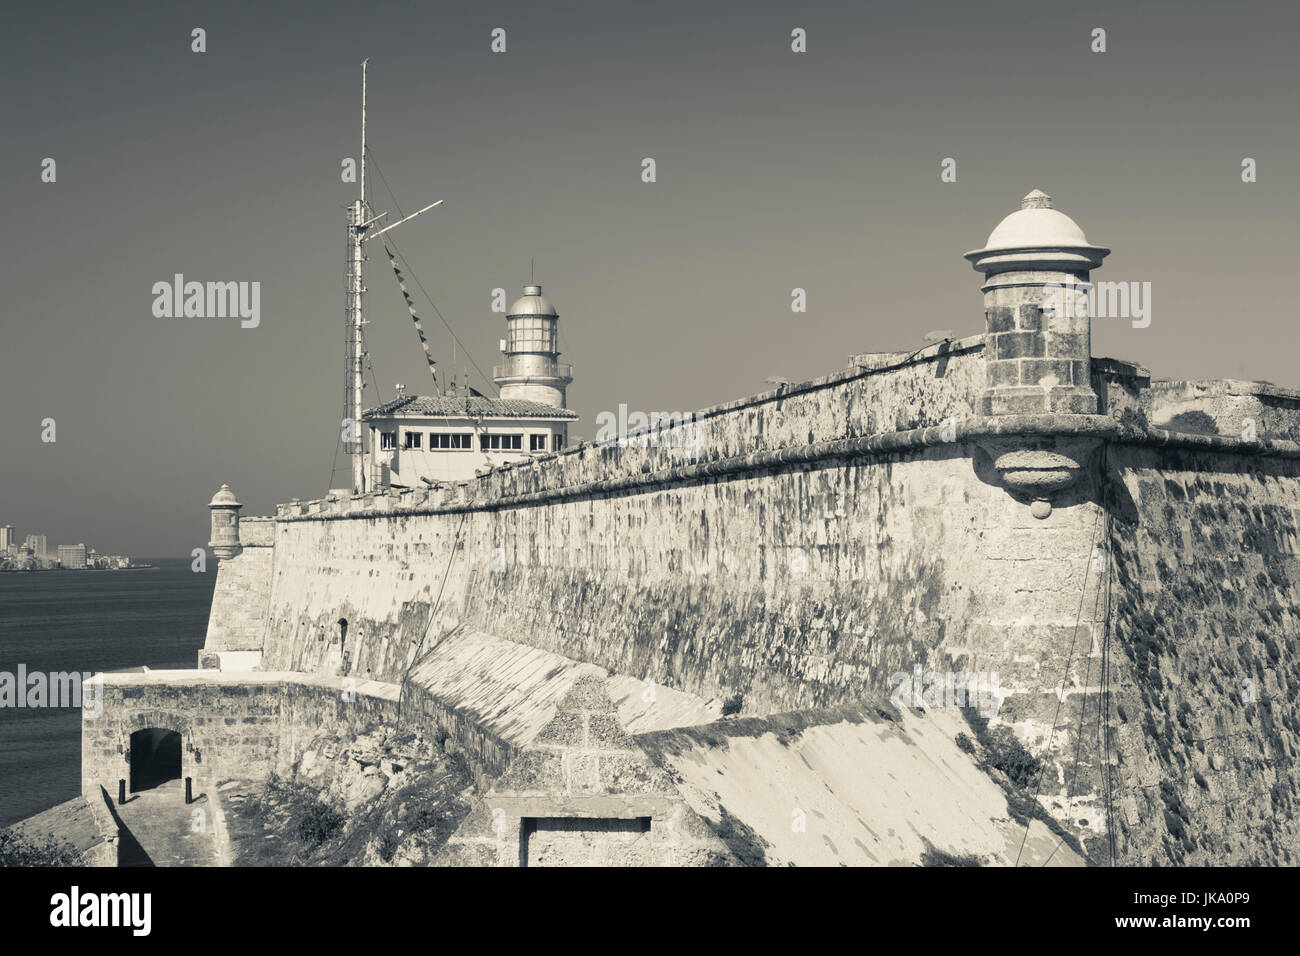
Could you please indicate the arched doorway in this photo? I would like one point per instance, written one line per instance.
(155, 758)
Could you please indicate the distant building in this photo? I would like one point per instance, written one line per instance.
(449, 437)
(7, 542)
(72, 555)
(37, 543)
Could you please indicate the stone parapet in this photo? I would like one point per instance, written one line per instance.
(999, 435)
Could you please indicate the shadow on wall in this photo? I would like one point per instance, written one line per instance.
(1198, 423)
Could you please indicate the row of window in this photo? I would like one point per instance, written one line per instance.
(414, 441)
(500, 442)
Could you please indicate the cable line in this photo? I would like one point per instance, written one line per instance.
(388, 240)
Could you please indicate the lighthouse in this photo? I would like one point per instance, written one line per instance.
(532, 371)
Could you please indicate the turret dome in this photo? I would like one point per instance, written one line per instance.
(224, 498)
(1036, 223)
(1037, 237)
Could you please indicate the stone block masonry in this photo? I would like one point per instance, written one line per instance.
(1040, 343)
(232, 726)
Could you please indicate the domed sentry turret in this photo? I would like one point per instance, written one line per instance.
(225, 523)
(532, 370)
(1038, 345)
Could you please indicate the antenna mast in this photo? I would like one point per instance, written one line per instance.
(359, 223)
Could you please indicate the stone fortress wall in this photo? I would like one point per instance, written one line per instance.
(1119, 553)
(811, 582)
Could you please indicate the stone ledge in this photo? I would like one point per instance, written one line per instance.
(365, 688)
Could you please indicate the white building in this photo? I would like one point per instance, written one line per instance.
(420, 439)
(39, 545)
(446, 438)
(72, 556)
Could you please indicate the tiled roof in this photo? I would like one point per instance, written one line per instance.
(448, 406)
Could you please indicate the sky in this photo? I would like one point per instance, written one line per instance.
(775, 170)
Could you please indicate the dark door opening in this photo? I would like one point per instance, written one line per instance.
(580, 841)
(155, 758)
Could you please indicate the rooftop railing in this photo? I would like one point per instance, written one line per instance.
(562, 370)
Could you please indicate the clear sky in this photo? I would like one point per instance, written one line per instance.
(775, 170)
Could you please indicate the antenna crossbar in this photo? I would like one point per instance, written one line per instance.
(372, 235)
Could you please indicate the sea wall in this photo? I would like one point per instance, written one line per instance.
(1166, 736)
(237, 621)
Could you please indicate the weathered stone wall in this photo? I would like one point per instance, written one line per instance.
(789, 588)
(1203, 713)
(740, 545)
(796, 588)
(795, 585)
(380, 574)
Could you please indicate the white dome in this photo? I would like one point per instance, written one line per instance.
(1036, 236)
(1036, 227)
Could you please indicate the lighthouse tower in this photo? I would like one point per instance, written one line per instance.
(532, 371)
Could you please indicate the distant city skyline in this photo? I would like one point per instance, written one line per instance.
(775, 171)
(67, 555)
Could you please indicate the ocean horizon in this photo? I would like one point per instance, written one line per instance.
(86, 621)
